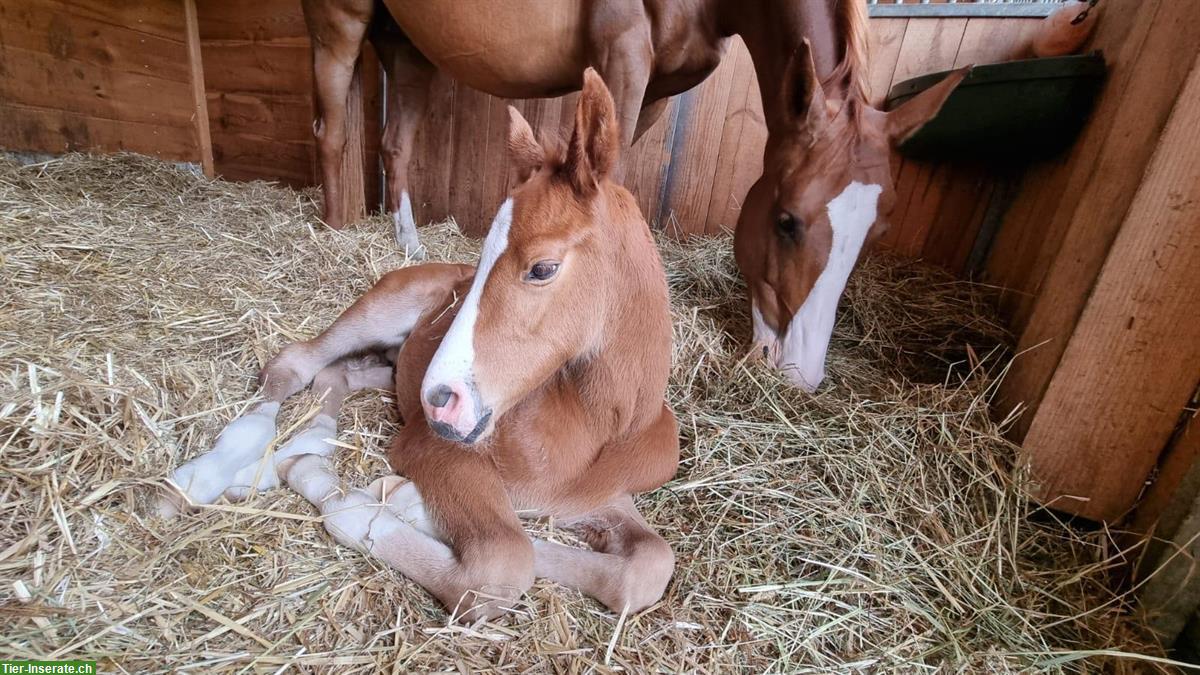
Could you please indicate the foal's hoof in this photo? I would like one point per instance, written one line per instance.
(170, 502)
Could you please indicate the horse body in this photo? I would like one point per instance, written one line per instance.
(809, 57)
(533, 383)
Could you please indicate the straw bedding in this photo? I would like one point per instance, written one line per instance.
(873, 526)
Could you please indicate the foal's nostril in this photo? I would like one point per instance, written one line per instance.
(439, 396)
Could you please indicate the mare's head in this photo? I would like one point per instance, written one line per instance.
(825, 194)
(538, 302)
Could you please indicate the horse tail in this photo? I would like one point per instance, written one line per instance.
(851, 20)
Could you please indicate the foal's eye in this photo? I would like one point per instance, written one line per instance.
(788, 224)
(542, 271)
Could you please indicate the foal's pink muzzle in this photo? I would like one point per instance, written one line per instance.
(454, 412)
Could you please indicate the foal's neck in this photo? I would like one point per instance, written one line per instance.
(626, 376)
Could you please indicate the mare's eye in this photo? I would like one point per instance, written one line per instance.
(788, 224)
(543, 270)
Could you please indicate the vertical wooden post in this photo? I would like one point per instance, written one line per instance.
(1133, 360)
(199, 100)
(353, 206)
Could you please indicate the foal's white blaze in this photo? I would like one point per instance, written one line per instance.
(802, 354)
(455, 357)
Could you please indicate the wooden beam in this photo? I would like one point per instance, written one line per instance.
(199, 100)
(1067, 219)
(353, 206)
(1133, 360)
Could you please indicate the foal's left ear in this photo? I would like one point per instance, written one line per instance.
(595, 144)
(527, 154)
(906, 120)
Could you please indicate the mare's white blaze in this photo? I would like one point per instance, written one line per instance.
(764, 337)
(455, 357)
(802, 355)
(406, 225)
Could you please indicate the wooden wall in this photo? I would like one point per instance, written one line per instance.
(1097, 261)
(96, 75)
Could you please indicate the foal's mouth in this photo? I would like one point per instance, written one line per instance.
(449, 433)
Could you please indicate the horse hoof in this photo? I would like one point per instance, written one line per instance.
(170, 502)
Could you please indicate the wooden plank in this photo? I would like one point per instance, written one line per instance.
(466, 181)
(1131, 364)
(433, 158)
(258, 76)
(1097, 196)
(57, 131)
(242, 158)
(1158, 510)
(40, 80)
(928, 46)
(94, 76)
(1039, 217)
(887, 36)
(152, 18)
(71, 38)
(199, 100)
(353, 204)
(694, 159)
(268, 68)
(646, 165)
(735, 157)
(260, 21)
(372, 102)
(955, 218)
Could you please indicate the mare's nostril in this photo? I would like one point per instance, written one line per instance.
(439, 396)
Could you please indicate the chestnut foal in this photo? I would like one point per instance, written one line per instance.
(533, 384)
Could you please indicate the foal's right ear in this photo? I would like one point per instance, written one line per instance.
(527, 154)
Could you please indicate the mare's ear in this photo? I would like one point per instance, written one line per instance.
(906, 120)
(595, 144)
(803, 98)
(527, 154)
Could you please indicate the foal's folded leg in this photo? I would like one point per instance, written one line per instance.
(628, 568)
(478, 573)
(379, 320)
(337, 382)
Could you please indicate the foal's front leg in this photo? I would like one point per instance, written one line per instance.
(476, 571)
(380, 320)
(628, 567)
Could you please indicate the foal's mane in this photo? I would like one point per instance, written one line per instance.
(850, 19)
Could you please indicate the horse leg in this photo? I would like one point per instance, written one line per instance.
(628, 567)
(336, 29)
(334, 383)
(472, 554)
(625, 59)
(380, 320)
(409, 74)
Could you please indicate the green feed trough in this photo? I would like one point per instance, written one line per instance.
(1012, 111)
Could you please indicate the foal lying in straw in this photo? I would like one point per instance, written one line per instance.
(533, 384)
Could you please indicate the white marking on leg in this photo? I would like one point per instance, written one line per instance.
(262, 474)
(243, 441)
(357, 519)
(455, 356)
(806, 343)
(406, 227)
